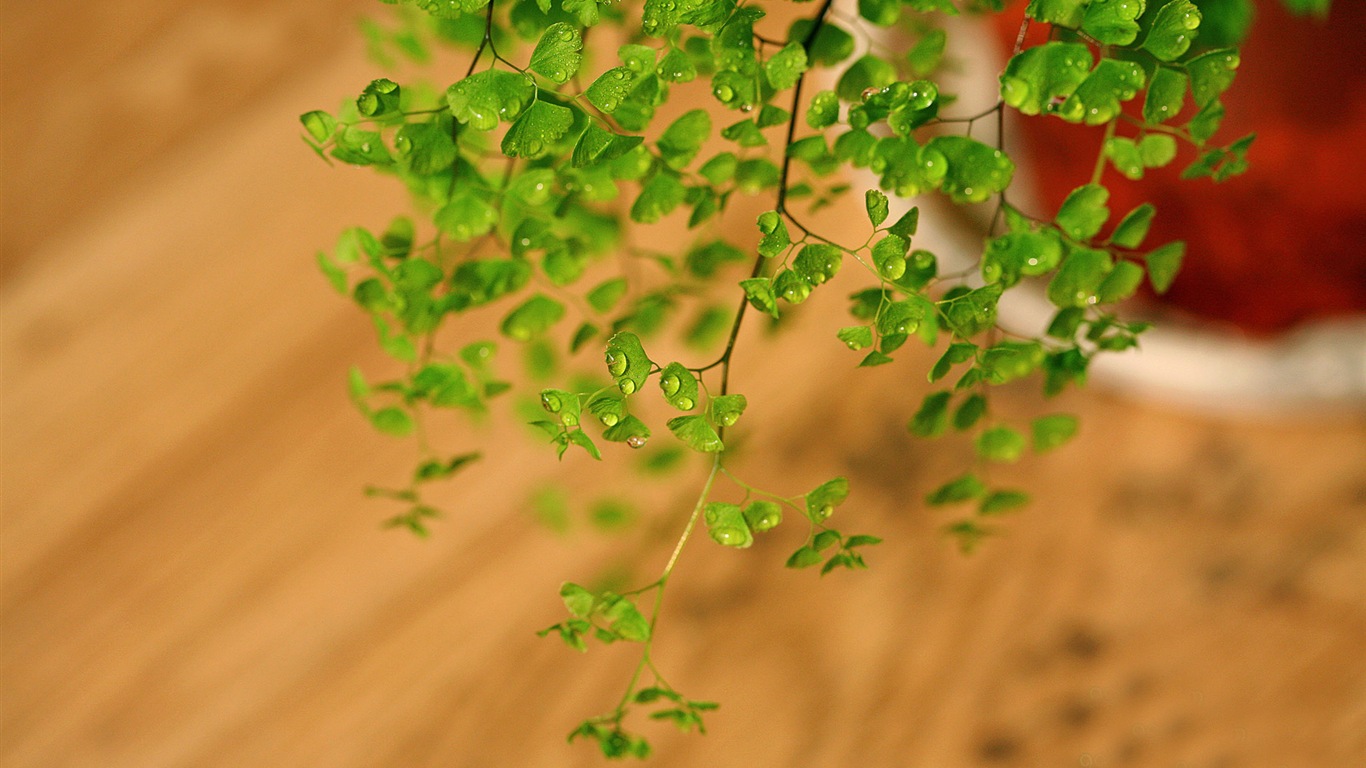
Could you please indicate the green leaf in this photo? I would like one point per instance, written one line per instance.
(775, 238)
(599, 145)
(1163, 264)
(1206, 122)
(1038, 79)
(883, 13)
(870, 71)
(804, 558)
(954, 355)
(660, 196)
(557, 54)
(393, 421)
(959, 489)
(719, 169)
(1113, 22)
(817, 262)
(627, 362)
(726, 409)
(1000, 444)
(726, 525)
(821, 502)
(321, 125)
(1079, 278)
(745, 133)
(1173, 29)
(822, 112)
(580, 438)
(763, 515)
(1120, 284)
(607, 294)
(1083, 213)
(695, 433)
(684, 137)
(1021, 253)
(975, 170)
(380, 97)
(624, 619)
(611, 89)
(999, 502)
(1065, 13)
(1133, 228)
(876, 204)
(933, 417)
(577, 600)
(905, 226)
(467, 215)
(1166, 95)
(1211, 74)
(785, 67)
(676, 67)
(484, 98)
(759, 291)
(832, 44)
(856, 337)
(1157, 149)
(1124, 155)
(679, 386)
(969, 412)
(532, 318)
(1007, 361)
(535, 133)
(1051, 431)
(1097, 100)
(889, 256)
(927, 53)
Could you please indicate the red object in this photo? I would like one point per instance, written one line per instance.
(1285, 243)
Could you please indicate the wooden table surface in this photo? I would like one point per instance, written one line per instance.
(190, 577)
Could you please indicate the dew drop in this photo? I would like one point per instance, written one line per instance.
(869, 93)
(1190, 20)
(636, 441)
(685, 404)
(627, 386)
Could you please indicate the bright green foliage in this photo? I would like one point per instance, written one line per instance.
(1133, 228)
(684, 137)
(1079, 278)
(823, 112)
(785, 67)
(1083, 213)
(1163, 264)
(482, 99)
(1050, 432)
(821, 502)
(696, 433)
(540, 174)
(1211, 74)
(727, 526)
(1097, 100)
(1166, 94)
(1113, 22)
(679, 386)
(1000, 444)
(557, 55)
(868, 72)
(532, 318)
(975, 170)
(627, 362)
(875, 203)
(1036, 80)
(536, 132)
(598, 145)
(726, 409)
(1173, 30)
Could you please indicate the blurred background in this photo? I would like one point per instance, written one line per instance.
(190, 576)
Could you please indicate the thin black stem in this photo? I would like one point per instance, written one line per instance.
(817, 22)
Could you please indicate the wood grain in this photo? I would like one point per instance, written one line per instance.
(189, 577)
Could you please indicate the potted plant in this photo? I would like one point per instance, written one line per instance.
(546, 175)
